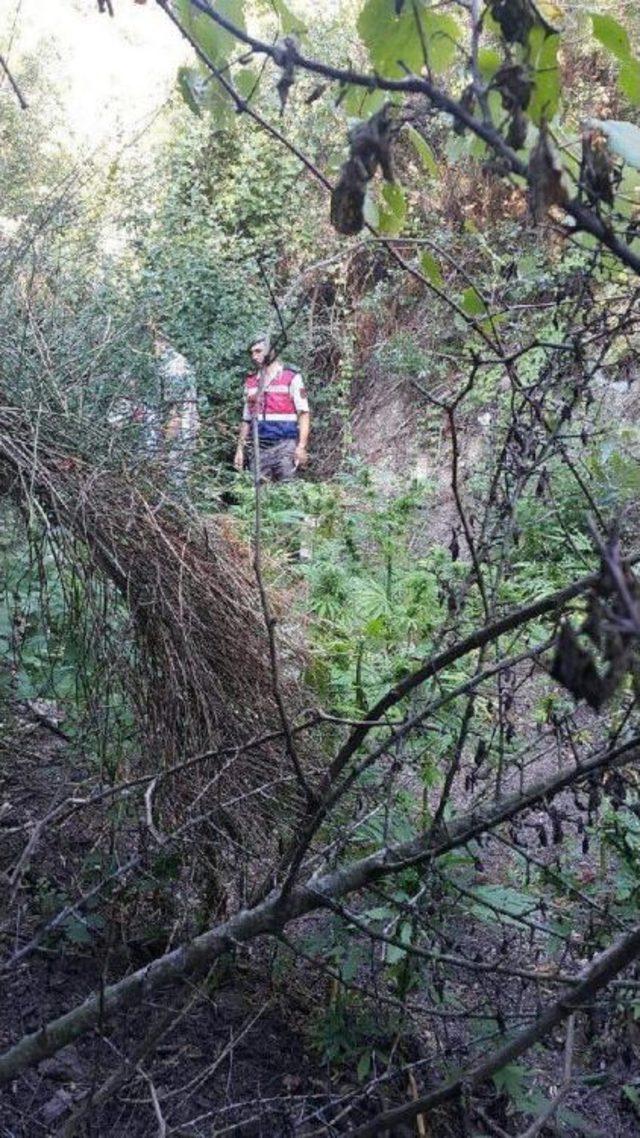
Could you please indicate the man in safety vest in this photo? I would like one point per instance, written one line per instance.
(275, 399)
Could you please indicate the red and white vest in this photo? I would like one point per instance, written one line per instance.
(277, 407)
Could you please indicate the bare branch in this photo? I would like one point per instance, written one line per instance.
(606, 966)
(583, 217)
(273, 914)
(18, 93)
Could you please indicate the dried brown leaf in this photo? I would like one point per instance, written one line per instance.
(545, 178)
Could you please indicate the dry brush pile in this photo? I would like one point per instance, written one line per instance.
(191, 595)
(199, 672)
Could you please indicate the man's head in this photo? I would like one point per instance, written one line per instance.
(260, 349)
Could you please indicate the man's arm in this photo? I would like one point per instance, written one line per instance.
(304, 422)
(301, 404)
(238, 459)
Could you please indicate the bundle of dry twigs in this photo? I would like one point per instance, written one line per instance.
(205, 678)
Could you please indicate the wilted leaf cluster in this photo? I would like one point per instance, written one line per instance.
(612, 626)
(546, 186)
(597, 173)
(517, 18)
(369, 149)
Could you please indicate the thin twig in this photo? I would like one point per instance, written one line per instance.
(270, 620)
(540, 1122)
(148, 802)
(595, 977)
(162, 1125)
(18, 93)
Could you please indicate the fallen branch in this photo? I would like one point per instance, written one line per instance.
(273, 914)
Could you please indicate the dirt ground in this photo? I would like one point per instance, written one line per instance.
(235, 1055)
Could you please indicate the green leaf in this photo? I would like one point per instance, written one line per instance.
(616, 39)
(376, 629)
(623, 137)
(380, 913)
(489, 62)
(392, 952)
(25, 687)
(504, 898)
(479, 149)
(600, 1079)
(219, 105)
(358, 103)
(65, 682)
(510, 1079)
(545, 97)
(364, 1066)
(423, 150)
(456, 148)
(579, 1123)
(633, 1095)
(392, 219)
(431, 270)
(76, 931)
(494, 101)
(441, 34)
(246, 81)
(393, 40)
(629, 80)
(216, 42)
(290, 24)
(349, 967)
(389, 37)
(472, 303)
(611, 34)
(185, 80)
